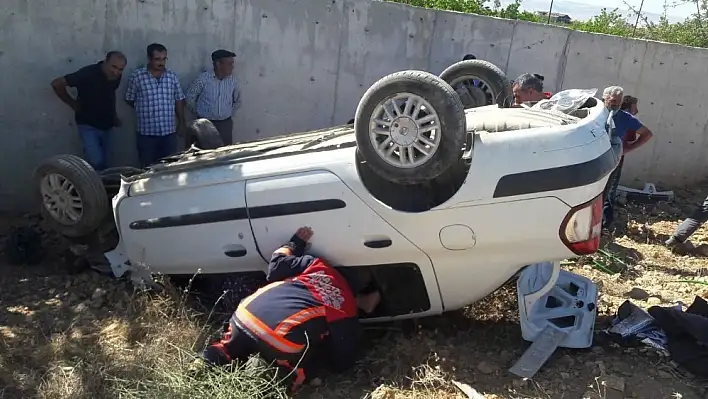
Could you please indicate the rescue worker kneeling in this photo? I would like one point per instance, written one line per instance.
(307, 311)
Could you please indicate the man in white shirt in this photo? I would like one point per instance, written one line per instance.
(216, 94)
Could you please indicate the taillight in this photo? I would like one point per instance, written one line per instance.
(582, 227)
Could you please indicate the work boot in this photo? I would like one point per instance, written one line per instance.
(681, 248)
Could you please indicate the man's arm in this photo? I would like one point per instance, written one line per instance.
(179, 103)
(237, 95)
(343, 344)
(132, 91)
(193, 92)
(290, 260)
(60, 84)
(642, 131)
(285, 265)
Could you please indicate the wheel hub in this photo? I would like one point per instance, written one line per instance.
(404, 131)
(61, 199)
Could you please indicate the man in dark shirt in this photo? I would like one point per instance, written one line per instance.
(95, 104)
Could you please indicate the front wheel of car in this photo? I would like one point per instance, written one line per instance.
(73, 199)
(410, 127)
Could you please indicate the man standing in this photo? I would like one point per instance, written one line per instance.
(95, 105)
(215, 95)
(624, 122)
(155, 93)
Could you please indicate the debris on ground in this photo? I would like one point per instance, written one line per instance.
(55, 344)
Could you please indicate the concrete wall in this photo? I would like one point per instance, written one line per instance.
(305, 63)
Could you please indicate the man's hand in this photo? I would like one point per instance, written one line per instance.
(304, 233)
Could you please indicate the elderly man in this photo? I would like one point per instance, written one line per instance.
(215, 94)
(528, 88)
(95, 104)
(156, 94)
(306, 316)
(624, 123)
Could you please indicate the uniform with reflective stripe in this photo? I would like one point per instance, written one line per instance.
(287, 314)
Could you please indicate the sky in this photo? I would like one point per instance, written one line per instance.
(579, 10)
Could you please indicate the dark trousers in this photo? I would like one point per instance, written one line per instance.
(608, 208)
(153, 148)
(693, 222)
(225, 128)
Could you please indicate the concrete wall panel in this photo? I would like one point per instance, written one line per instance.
(379, 39)
(304, 64)
(288, 65)
(39, 40)
(538, 49)
(458, 34)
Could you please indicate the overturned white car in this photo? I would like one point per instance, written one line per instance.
(443, 204)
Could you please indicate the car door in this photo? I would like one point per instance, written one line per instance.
(179, 231)
(347, 232)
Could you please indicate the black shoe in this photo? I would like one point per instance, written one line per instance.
(677, 246)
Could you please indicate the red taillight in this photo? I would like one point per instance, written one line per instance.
(582, 227)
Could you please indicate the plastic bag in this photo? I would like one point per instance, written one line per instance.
(566, 101)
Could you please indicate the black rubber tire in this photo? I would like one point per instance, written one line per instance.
(444, 101)
(89, 186)
(486, 71)
(204, 134)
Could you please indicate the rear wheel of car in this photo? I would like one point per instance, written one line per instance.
(204, 134)
(478, 83)
(74, 200)
(410, 127)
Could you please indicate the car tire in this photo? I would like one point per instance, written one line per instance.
(205, 134)
(494, 79)
(425, 104)
(73, 199)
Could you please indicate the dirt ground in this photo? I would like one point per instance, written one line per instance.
(90, 336)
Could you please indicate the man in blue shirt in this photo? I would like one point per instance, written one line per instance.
(624, 123)
(157, 97)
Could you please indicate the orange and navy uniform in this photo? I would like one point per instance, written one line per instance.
(307, 311)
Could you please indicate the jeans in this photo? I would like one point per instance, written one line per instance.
(608, 208)
(94, 141)
(153, 148)
(692, 223)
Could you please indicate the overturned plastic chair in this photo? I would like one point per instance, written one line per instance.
(556, 309)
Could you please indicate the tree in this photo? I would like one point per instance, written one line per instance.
(693, 31)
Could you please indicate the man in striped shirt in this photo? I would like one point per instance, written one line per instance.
(215, 94)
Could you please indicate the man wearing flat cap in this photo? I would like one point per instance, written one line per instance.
(215, 94)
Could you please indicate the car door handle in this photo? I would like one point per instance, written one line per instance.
(235, 251)
(383, 243)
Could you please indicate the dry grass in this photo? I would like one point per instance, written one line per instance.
(145, 349)
(59, 338)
